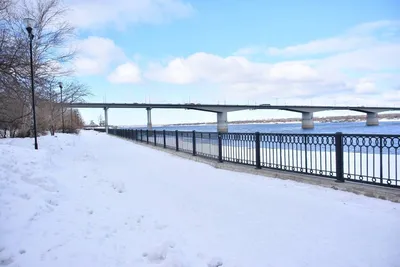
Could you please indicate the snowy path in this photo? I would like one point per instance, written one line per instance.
(96, 200)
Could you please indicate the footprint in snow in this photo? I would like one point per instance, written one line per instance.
(119, 187)
(160, 226)
(215, 262)
(6, 261)
(25, 196)
(139, 220)
(159, 253)
(52, 202)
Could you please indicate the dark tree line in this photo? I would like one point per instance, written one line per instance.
(52, 58)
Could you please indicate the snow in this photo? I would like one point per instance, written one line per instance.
(98, 200)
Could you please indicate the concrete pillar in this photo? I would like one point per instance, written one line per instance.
(307, 120)
(106, 119)
(372, 119)
(149, 124)
(222, 122)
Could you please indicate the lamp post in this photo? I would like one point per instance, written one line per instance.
(62, 107)
(29, 23)
(72, 101)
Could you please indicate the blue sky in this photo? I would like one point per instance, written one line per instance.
(337, 52)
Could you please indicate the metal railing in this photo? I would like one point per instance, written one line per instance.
(373, 159)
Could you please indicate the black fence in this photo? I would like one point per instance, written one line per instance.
(373, 159)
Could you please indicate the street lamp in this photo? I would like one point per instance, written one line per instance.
(62, 107)
(29, 24)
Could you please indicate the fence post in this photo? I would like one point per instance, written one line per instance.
(381, 160)
(305, 153)
(339, 157)
(258, 150)
(136, 134)
(177, 140)
(194, 143)
(219, 147)
(155, 138)
(165, 143)
(280, 150)
(147, 136)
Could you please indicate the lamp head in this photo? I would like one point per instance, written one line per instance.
(29, 24)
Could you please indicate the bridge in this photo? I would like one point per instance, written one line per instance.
(307, 112)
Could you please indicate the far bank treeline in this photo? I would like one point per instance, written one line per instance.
(52, 63)
(348, 118)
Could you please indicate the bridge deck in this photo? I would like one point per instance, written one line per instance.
(206, 107)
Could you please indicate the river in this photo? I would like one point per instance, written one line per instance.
(385, 127)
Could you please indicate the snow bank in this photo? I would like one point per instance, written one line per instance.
(97, 200)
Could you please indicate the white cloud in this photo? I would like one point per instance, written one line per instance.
(97, 14)
(392, 95)
(354, 69)
(239, 75)
(203, 67)
(329, 45)
(96, 54)
(383, 56)
(293, 71)
(364, 35)
(369, 27)
(250, 50)
(125, 73)
(364, 86)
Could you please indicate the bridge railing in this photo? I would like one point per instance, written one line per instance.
(373, 159)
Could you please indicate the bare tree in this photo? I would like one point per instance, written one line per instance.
(101, 121)
(50, 55)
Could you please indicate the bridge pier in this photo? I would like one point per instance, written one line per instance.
(106, 119)
(149, 124)
(372, 119)
(222, 122)
(307, 120)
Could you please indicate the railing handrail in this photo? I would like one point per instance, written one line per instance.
(272, 133)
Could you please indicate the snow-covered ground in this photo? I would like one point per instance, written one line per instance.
(97, 200)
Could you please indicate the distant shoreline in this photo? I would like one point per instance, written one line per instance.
(334, 119)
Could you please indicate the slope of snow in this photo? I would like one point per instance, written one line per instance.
(96, 200)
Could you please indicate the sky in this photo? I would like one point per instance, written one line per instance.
(236, 52)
